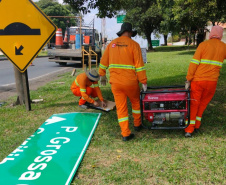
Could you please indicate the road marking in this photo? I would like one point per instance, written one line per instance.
(38, 76)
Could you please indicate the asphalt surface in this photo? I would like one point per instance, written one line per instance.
(38, 75)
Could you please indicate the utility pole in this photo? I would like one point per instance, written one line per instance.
(103, 31)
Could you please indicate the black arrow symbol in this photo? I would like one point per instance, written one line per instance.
(18, 51)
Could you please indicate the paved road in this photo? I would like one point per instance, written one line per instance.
(38, 75)
(41, 68)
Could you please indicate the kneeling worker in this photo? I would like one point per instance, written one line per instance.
(81, 87)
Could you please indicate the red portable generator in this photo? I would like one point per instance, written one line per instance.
(165, 107)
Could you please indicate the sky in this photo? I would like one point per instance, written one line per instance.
(111, 27)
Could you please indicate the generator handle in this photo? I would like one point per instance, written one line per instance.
(163, 87)
(164, 91)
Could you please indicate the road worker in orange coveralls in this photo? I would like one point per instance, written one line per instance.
(202, 76)
(124, 59)
(81, 87)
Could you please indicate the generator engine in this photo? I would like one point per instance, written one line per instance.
(166, 106)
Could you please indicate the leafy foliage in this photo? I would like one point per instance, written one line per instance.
(106, 8)
(145, 16)
(164, 16)
(53, 8)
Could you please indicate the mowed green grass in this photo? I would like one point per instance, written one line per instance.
(154, 156)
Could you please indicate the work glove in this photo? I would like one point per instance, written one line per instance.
(96, 104)
(187, 84)
(104, 104)
(103, 80)
(144, 87)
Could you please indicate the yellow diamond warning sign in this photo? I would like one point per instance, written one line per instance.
(24, 31)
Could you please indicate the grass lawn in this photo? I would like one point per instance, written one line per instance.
(154, 156)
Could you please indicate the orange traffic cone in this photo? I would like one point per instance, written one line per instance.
(59, 38)
(72, 39)
(65, 37)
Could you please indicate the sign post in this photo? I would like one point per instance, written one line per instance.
(26, 91)
(24, 31)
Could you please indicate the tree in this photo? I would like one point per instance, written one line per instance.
(193, 15)
(145, 16)
(168, 23)
(106, 8)
(164, 16)
(53, 8)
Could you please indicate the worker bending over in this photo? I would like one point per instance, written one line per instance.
(202, 76)
(124, 60)
(81, 87)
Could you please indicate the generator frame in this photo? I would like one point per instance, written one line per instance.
(165, 89)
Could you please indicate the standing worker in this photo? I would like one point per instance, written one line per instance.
(202, 76)
(81, 87)
(124, 59)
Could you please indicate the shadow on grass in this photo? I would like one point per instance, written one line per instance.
(167, 81)
(187, 53)
(173, 48)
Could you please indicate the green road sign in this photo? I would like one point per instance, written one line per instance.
(53, 153)
(120, 18)
(155, 42)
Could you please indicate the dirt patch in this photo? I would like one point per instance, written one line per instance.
(10, 90)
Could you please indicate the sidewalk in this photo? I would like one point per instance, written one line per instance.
(181, 43)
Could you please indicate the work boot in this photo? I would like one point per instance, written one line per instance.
(187, 134)
(139, 128)
(197, 130)
(127, 138)
(83, 106)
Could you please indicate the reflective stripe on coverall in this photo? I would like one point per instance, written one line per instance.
(81, 87)
(203, 73)
(202, 93)
(121, 93)
(124, 60)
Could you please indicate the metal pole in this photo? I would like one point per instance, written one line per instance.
(80, 32)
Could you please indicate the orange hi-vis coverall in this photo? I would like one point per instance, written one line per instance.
(124, 60)
(203, 72)
(81, 87)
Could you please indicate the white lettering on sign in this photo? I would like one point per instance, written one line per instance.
(40, 159)
(70, 129)
(54, 119)
(35, 169)
(41, 130)
(56, 140)
(17, 150)
(6, 159)
(30, 175)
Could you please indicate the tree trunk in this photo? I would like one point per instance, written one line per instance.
(165, 40)
(148, 36)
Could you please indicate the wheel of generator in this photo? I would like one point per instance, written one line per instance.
(63, 63)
